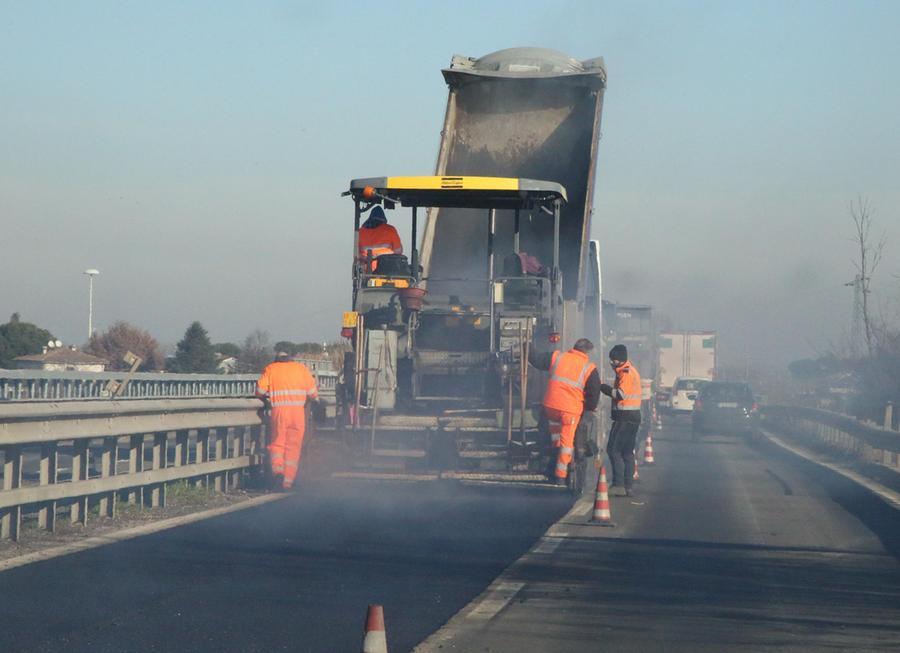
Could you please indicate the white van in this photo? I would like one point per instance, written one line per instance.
(684, 392)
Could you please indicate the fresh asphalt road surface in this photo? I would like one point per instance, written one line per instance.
(295, 575)
(729, 545)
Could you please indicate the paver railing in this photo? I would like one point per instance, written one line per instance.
(75, 458)
(840, 432)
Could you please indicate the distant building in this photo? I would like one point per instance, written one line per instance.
(62, 359)
(227, 365)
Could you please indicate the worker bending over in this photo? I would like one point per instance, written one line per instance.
(626, 418)
(287, 385)
(573, 389)
(377, 236)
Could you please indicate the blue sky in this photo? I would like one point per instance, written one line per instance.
(194, 153)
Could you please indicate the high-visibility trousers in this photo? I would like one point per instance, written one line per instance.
(562, 436)
(288, 425)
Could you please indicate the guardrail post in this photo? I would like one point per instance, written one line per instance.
(219, 449)
(237, 450)
(11, 518)
(135, 465)
(241, 442)
(889, 416)
(47, 476)
(201, 455)
(109, 459)
(159, 458)
(182, 448)
(78, 511)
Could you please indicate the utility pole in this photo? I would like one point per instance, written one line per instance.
(91, 273)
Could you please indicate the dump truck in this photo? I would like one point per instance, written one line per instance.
(437, 382)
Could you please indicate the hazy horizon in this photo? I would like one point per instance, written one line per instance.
(195, 155)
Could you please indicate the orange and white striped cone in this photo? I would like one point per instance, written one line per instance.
(602, 516)
(374, 639)
(648, 451)
(636, 476)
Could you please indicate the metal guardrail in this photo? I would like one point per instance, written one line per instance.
(70, 457)
(36, 385)
(837, 431)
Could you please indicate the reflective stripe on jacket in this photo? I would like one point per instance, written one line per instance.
(383, 239)
(287, 383)
(569, 372)
(626, 393)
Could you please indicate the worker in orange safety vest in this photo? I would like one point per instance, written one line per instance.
(573, 389)
(287, 386)
(378, 237)
(626, 419)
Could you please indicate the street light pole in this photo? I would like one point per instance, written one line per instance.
(91, 273)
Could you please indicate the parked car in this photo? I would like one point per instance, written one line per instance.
(684, 392)
(725, 407)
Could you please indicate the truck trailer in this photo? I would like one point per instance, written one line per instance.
(683, 354)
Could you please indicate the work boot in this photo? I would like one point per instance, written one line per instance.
(629, 492)
(550, 469)
(277, 482)
(617, 491)
(559, 482)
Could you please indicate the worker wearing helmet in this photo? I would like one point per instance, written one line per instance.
(286, 385)
(377, 237)
(573, 389)
(626, 418)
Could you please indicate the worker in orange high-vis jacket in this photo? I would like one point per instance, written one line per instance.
(573, 389)
(378, 237)
(626, 419)
(287, 386)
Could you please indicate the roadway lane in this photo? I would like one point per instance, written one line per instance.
(728, 546)
(294, 576)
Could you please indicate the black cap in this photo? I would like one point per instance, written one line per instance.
(618, 353)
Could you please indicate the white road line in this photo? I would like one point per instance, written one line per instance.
(885, 494)
(494, 602)
(131, 533)
(548, 545)
(480, 608)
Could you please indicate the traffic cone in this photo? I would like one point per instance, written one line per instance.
(601, 516)
(648, 451)
(374, 639)
(636, 476)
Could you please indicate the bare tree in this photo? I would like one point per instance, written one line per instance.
(123, 337)
(256, 353)
(868, 258)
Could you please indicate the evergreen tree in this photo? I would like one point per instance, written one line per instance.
(227, 349)
(195, 352)
(19, 338)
